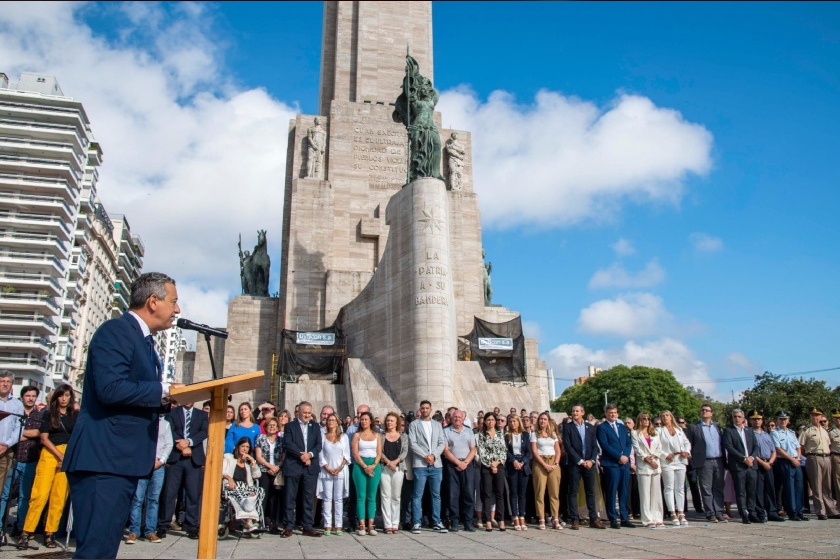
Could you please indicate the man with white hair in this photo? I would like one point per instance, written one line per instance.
(459, 452)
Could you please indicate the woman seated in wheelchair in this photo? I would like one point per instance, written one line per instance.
(240, 473)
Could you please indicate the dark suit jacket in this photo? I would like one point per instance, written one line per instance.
(613, 445)
(574, 447)
(117, 428)
(734, 447)
(527, 455)
(293, 445)
(198, 433)
(698, 443)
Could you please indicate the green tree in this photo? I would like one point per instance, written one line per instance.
(632, 390)
(796, 395)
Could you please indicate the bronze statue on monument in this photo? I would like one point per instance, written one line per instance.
(254, 267)
(415, 108)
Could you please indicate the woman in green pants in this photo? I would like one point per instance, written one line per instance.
(367, 453)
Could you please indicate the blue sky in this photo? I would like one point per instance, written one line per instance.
(740, 249)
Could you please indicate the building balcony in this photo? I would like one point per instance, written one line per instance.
(18, 364)
(21, 240)
(39, 221)
(28, 321)
(41, 185)
(58, 116)
(31, 281)
(32, 260)
(51, 132)
(68, 322)
(139, 247)
(120, 301)
(30, 147)
(40, 166)
(29, 302)
(21, 343)
(11, 200)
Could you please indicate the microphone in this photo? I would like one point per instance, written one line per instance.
(203, 329)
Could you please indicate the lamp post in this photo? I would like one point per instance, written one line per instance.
(605, 397)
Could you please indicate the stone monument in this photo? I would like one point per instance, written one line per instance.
(376, 242)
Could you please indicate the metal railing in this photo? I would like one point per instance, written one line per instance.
(35, 257)
(20, 339)
(34, 217)
(27, 236)
(30, 277)
(49, 300)
(37, 198)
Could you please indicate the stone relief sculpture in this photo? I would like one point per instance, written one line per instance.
(415, 108)
(254, 267)
(455, 152)
(316, 146)
(488, 290)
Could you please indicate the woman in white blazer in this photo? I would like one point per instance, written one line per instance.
(646, 445)
(675, 453)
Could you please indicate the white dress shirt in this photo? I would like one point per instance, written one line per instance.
(164, 441)
(147, 332)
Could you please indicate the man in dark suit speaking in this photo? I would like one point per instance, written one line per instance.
(115, 439)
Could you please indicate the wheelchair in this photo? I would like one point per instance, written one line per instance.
(229, 524)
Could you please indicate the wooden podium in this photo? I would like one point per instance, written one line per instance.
(216, 391)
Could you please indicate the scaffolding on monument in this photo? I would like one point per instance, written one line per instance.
(499, 349)
(317, 354)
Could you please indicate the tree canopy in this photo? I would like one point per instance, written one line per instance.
(796, 395)
(632, 390)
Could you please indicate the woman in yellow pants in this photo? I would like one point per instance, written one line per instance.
(57, 423)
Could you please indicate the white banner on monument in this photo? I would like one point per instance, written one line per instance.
(495, 344)
(319, 338)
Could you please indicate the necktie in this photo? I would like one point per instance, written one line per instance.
(305, 437)
(187, 417)
(150, 344)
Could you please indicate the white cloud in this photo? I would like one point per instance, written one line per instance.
(571, 360)
(190, 158)
(563, 160)
(623, 247)
(616, 276)
(738, 362)
(531, 329)
(630, 315)
(705, 243)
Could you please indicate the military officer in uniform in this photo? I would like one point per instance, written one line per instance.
(788, 465)
(765, 494)
(815, 446)
(834, 435)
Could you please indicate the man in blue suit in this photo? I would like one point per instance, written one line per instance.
(581, 455)
(615, 459)
(302, 443)
(114, 442)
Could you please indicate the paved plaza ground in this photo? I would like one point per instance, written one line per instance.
(814, 539)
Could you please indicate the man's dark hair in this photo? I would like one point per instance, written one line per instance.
(147, 285)
(24, 390)
(426, 402)
(609, 406)
(207, 403)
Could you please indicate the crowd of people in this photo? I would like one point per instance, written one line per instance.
(445, 471)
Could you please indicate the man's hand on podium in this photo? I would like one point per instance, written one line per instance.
(170, 399)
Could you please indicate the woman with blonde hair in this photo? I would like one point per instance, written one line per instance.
(647, 448)
(674, 456)
(394, 452)
(545, 448)
(518, 466)
(333, 480)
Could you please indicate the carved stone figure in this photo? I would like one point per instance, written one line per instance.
(316, 146)
(415, 108)
(488, 290)
(456, 152)
(254, 268)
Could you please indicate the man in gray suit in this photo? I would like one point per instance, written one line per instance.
(426, 442)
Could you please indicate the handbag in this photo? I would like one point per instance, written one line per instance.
(278, 479)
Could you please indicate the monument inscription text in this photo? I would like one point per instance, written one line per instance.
(381, 151)
(433, 278)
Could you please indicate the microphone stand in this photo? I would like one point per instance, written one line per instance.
(210, 351)
(4, 540)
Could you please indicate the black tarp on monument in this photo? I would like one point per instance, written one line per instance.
(311, 353)
(499, 359)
